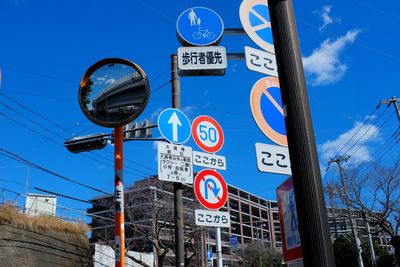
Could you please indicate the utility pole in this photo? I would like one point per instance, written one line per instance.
(178, 189)
(393, 101)
(119, 219)
(310, 202)
(356, 244)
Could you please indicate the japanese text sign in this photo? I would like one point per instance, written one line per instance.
(199, 58)
(273, 159)
(260, 61)
(175, 163)
(212, 218)
(210, 161)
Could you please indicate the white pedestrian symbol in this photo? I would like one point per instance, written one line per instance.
(193, 18)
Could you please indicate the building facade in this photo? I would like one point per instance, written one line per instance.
(149, 220)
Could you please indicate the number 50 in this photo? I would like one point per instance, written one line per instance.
(207, 133)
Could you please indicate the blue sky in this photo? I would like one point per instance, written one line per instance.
(350, 53)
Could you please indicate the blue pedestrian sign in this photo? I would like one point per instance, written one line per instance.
(233, 241)
(174, 125)
(209, 254)
(199, 26)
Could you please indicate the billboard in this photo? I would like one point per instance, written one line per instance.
(37, 204)
(288, 221)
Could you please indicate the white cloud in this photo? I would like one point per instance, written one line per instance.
(327, 19)
(359, 146)
(110, 81)
(324, 65)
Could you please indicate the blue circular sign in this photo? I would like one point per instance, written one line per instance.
(174, 125)
(199, 26)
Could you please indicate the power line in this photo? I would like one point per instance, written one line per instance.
(36, 113)
(359, 128)
(372, 134)
(15, 157)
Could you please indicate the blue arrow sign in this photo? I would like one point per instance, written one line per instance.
(215, 189)
(174, 125)
(199, 26)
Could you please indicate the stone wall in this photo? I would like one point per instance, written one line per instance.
(20, 247)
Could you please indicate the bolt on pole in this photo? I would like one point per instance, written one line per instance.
(310, 202)
(119, 198)
(178, 197)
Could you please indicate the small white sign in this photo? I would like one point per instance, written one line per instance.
(261, 61)
(212, 218)
(202, 58)
(210, 161)
(274, 159)
(175, 163)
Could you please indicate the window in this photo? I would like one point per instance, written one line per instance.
(245, 208)
(255, 211)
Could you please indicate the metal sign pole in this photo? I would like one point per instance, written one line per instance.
(119, 198)
(178, 197)
(310, 202)
(219, 247)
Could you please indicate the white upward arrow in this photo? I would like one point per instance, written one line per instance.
(174, 120)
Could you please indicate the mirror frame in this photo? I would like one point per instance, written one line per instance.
(97, 66)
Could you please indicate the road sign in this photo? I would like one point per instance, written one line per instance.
(233, 241)
(210, 189)
(254, 16)
(288, 221)
(267, 109)
(196, 60)
(261, 61)
(273, 159)
(207, 134)
(174, 125)
(175, 163)
(212, 218)
(209, 160)
(209, 254)
(199, 26)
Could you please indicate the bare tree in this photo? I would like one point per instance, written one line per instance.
(149, 221)
(375, 196)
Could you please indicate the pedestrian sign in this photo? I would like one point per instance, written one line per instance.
(209, 254)
(207, 134)
(174, 125)
(233, 241)
(254, 16)
(289, 226)
(210, 189)
(199, 26)
(267, 109)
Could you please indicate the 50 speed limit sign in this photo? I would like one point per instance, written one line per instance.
(207, 134)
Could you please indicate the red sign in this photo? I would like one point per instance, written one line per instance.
(210, 189)
(207, 134)
(288, 221)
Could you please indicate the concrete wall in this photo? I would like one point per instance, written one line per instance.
(104, 257)
(19, 247)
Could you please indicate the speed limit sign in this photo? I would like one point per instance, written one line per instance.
(207, 134)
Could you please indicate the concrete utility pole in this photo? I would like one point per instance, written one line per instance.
(309, 194)
(356, 244)
(393, 101)
(178, 197)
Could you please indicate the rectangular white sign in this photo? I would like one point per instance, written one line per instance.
(261, 61)
(274, 159)
(202, 58)
(209, 160)
(212, 218)
(175, 163)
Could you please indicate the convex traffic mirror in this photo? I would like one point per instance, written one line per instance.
(113, 92)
